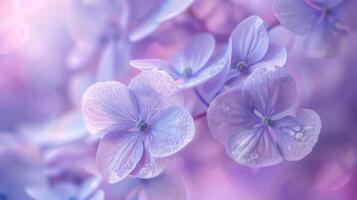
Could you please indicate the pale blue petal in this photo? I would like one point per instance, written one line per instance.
(214, 86)
(270, 90)
(118, 154)
(149, 64)
(172, 8)
(173, 130)
(296, 15)
(253, 147)
(296, 136)
(155, 91)
(149, 166)
(195, 53)
(323, 41)
(108, 106)
(250, 40)
(214, 66)
(228, 114)
(276, 56)
(89, 187)
(114, 61)
(282, 36)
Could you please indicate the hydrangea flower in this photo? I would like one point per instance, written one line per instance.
(88, 190)
(193, 65)
(116, 23)
(324, 22)
(256, 124)
(143, 124)
(251, 50)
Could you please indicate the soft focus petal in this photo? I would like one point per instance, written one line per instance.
(345, 14)
(108, 106)
(295, 15)
(114, 61)
(172, 8)
(89, 187)
(214, 66)
(149, 166)
(250, 40)
(228, 114)
(155, 91)
(173, 130)
(282, 36)
(270, 90)
(165, 187)
(276, 56)
(296, 136)
(117, 155)
(254, 147)
(195, 54)
(323, 41)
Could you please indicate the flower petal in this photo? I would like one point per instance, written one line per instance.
(228, 114)
(149, 64)
(149, 166)
(295, 15)
(118, 154)
(270, 90)
(172, 8)
(114, 61)
(282, 36)
(214, 66)
(253, 147)
(250, 40)
(155, 91)
(213, 87)
(165, 187)
(195, 53)
(345, 14)
(276, 56)
(296, 136)
(107, 106)
(173, 130)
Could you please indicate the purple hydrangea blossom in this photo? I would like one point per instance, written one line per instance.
(251, 50)
(256, 124)
(194, 64)
(143, 124)
(323, 22)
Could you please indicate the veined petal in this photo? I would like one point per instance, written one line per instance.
(195, 53)
(253, 147)
(212, 87)
(270, 90)
(173, 130)
(296, 136)
(109, 106)
(228, 114)
(250, 40)
(276, 56)
(214, 66)
(155, 91)
(118, 154)
(295, 15)
(149, 166)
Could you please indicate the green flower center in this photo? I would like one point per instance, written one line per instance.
(142, 125)
(241, 66)
(187, 72)
(266, 120)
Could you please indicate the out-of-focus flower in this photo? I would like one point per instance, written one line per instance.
(18, 170)
(142, 124)
(116, 23)
(324, 22)
(193, 64)
(163, 187)
(255, 123)
(88, 190)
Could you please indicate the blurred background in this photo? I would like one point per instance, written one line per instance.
(51, 51)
